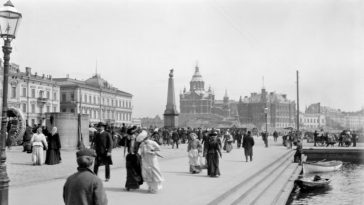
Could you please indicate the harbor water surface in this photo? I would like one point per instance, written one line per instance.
(346, 187)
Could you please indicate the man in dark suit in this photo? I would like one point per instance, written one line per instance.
(248, 143)
(175, 138)
(103, 145)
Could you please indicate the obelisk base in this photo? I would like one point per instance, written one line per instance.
(170, 120)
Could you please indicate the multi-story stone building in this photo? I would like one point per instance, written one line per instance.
(97, 98)
(33, 94)
(312, 121)
(197, 100)
(271, 108)
(337, 119)
(200, 101)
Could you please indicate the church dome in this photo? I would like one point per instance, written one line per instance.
(197, 77)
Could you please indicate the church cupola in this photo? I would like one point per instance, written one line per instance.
(197, 82)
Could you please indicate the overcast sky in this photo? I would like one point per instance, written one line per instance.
(236, 43)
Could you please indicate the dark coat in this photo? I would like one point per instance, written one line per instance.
(103, 144)
(248, 141)
(84, 188)
(53, 141)
(175, 136)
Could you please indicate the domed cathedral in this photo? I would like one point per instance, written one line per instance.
(197, 100)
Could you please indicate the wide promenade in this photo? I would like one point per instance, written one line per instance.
(42, 185)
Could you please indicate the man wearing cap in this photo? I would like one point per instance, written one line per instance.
(103, 145)
(84, 187)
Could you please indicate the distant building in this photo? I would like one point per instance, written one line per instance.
(148, 122)
(337, 119)
(97, 98)
(281, 111)
(33, 94)
(200, 101)
(312, 121)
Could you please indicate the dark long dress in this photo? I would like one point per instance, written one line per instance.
(213, 150)
(53, 151)
(133, 165)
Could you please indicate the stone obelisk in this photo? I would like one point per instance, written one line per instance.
(171, 114)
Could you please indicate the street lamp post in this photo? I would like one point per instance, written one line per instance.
(9, 21)
(266, 120)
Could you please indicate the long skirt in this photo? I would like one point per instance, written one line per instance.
(213, 164)
(151, 173)
(194, 161)
(53, 157)
(37, 155)
(133, 171)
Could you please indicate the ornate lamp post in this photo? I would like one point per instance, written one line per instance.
(9, 21)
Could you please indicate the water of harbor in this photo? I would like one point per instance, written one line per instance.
(346, 187)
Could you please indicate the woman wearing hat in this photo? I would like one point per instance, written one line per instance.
(133, 161)
(213, 150)
(194, 149)
(150, 166)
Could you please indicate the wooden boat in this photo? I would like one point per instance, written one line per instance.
(312, 183)
(321, 166)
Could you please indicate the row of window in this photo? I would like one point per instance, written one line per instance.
(96, 100)
(312, 120)
(41, 93)
(94, 114)
(46, 108)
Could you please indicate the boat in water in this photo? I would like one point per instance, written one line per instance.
(312, 183)
(321, 166)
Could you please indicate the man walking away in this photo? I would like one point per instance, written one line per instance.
(175, 138)
(275, 136)
(248, 143)
(84, 187)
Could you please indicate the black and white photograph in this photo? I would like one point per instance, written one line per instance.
(183, 102)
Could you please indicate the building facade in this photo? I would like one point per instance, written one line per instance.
(272, 109)
(200, 101)
(312, 121)
(197, 100)
(337, 119)
(32, 94)
(97, 98)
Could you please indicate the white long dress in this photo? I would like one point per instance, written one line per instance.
(38, 142)
(150, 166)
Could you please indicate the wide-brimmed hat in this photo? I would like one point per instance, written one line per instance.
(132, 130)
(142, 136)
(101, 124)
(213, 134)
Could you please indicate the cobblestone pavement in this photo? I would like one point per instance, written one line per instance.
(21, 171)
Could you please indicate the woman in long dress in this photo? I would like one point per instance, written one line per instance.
(133, 162)
(150, 166)
(213, 151)
(39, 143)
(194, 149)
(54, 145)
